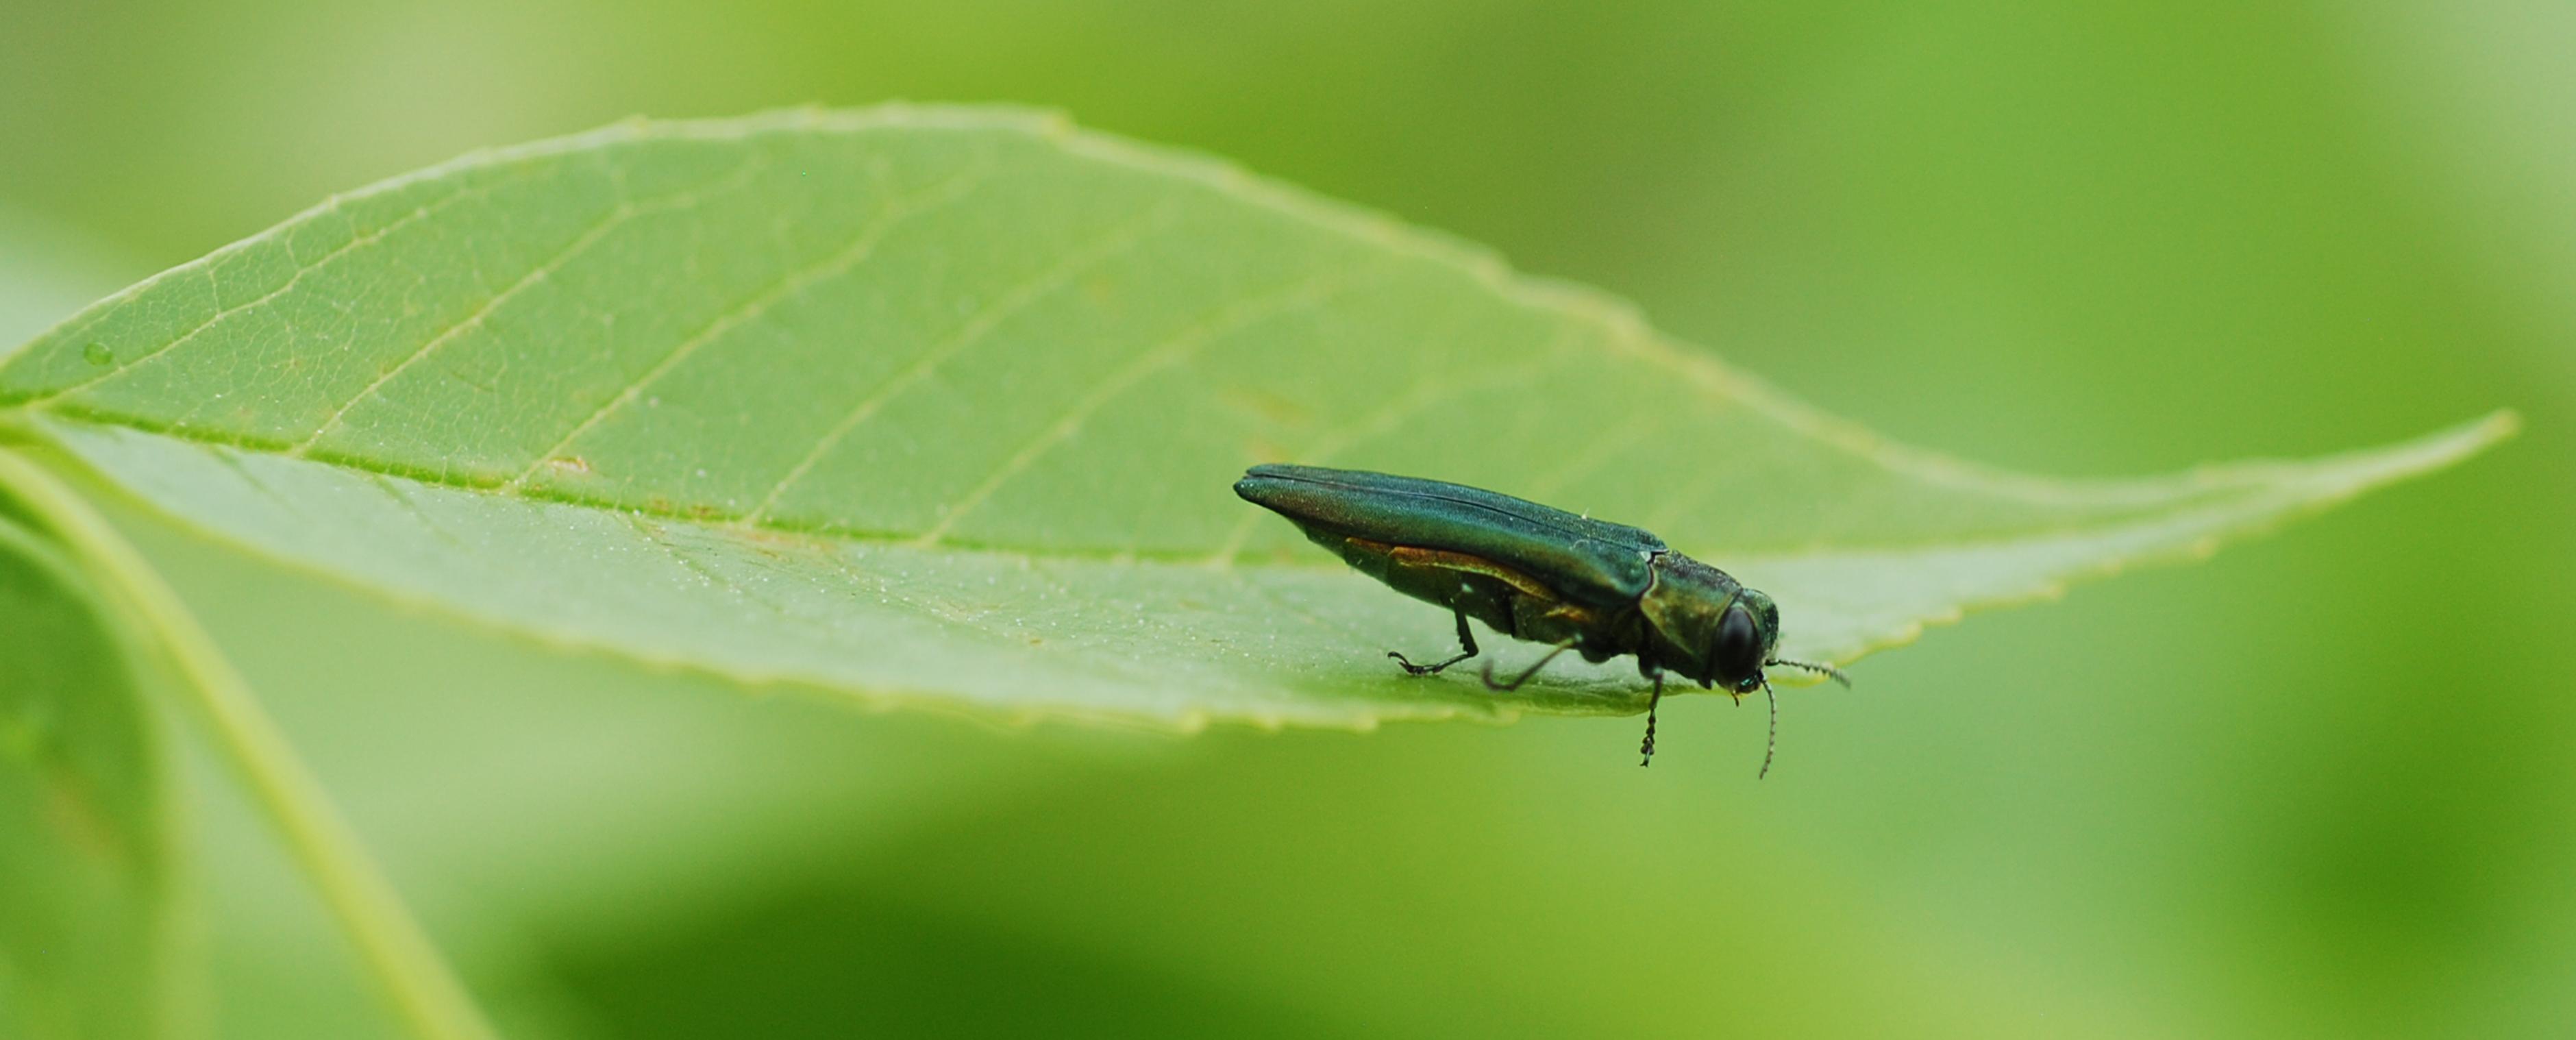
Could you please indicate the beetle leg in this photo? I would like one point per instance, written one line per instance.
(1517, 680)
(1648, 748)
(1466, 648)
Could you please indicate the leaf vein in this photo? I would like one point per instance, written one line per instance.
(393, 489)
(1117, 242)
(608, 223)
(1308, 294)
(418, 213)
(949, 190)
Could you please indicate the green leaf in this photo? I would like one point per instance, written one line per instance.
(942, 406)
(87, 907)
(147, 613)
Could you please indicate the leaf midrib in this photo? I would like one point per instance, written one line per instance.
(1295, 558)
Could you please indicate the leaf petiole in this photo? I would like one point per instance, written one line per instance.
(431, 1000)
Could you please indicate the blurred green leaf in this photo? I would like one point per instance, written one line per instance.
(941, 406)
(87, 910)
(333, 860)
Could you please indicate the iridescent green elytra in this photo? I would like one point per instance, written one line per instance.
(1536, 573)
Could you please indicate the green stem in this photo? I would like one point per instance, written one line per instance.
(400, 955)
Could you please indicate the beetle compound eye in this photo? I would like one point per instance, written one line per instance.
(1739, 644)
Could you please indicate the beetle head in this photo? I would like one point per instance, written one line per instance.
(1708, 627)
(1743, 642)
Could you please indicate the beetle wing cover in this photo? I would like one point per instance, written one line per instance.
(1583, 558)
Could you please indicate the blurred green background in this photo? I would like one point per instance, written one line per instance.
(2320, 786)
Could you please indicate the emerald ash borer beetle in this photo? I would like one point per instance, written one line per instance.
(1541, 574)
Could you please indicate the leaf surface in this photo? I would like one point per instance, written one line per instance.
(87, 909)
(942, 406)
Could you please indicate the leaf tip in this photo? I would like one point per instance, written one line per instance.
(2444, 448)
(2500, 425)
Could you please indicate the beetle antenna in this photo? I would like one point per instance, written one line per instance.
(1771, 743)
(1822, 669)
(1517, 680)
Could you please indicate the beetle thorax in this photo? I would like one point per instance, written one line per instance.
(1685, 611)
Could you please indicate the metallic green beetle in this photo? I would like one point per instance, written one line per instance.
(1540, 574)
